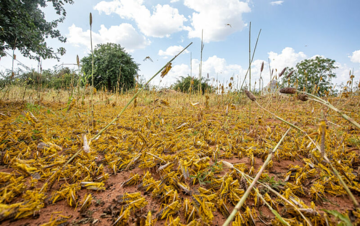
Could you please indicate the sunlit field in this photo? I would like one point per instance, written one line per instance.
(176, 159)
(130, 134)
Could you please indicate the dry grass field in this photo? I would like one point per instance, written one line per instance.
(176, 159)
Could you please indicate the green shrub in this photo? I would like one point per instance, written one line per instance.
(184, 85)
(108, 60)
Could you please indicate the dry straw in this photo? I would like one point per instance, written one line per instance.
(277, 215)
(327, 104)
(136, 94)
(247, 177)
(290, 124)
(244, 197)
(290, 90)
(53, 177)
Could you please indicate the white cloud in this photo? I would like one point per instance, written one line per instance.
(216, 67)
(172, 51)
(163, 21)
(176, 72)
(355, 57)
(317, 55)
(287, 58)
(342, 73)
(124, 34)
(213, 17)
(172, 1)
(276, 2)
(219, 69)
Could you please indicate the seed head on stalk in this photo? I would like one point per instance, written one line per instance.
(282, 72)
(250, 95)
(291, 72)
(288, 90)
(77, 60)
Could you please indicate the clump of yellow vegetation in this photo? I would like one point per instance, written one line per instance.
(197, 157)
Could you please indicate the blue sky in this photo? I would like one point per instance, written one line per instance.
(292, 30)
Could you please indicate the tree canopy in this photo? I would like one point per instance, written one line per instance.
(310, 73)
(23, 26)
(108, 60)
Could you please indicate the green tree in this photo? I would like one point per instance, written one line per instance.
(108, 59)
(183, 84)
(311, 72)
(23, 26)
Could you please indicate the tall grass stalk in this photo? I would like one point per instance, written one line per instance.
(191, 64)
(252, 59)
(201, 52)
(79, 74)
(92, 75)
(249, 73)
(118, 85)
(270, 74)
(190, 91)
